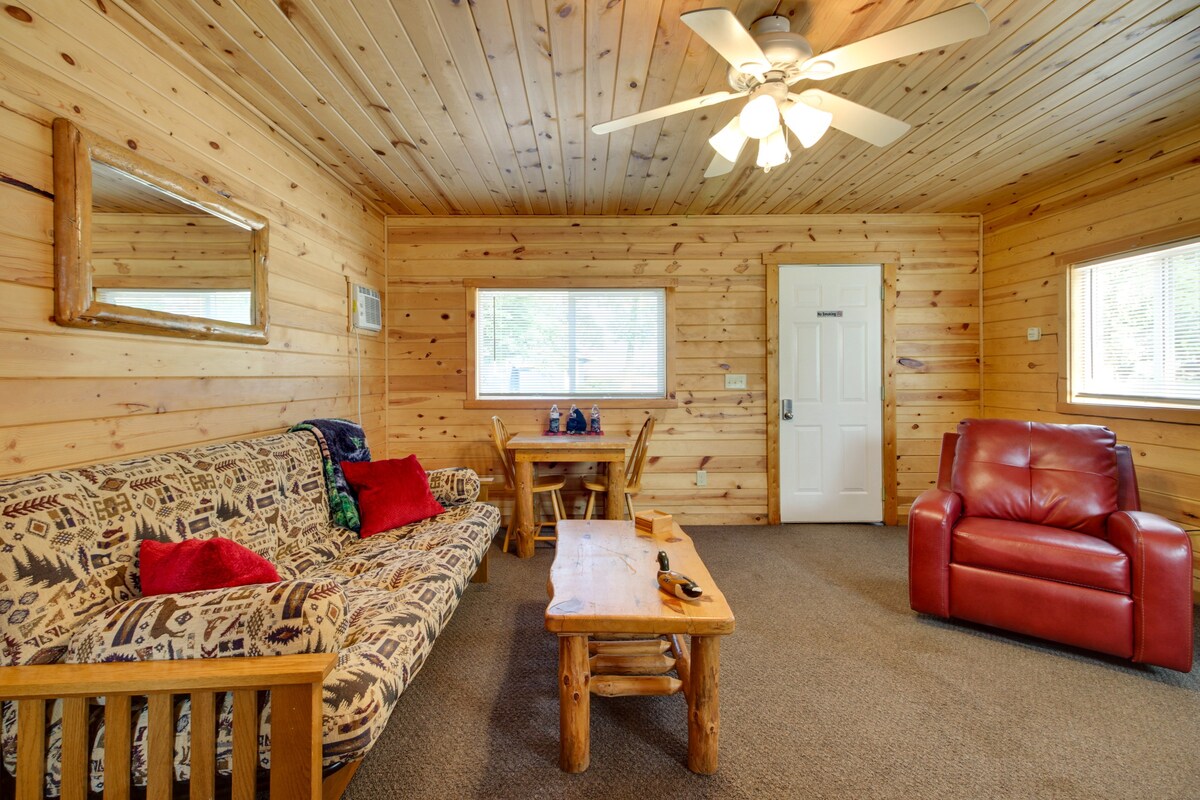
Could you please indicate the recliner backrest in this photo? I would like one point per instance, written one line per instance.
(1063, 476)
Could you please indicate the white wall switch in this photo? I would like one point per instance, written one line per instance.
(735, 381)
(701, 478)
(1033, 334)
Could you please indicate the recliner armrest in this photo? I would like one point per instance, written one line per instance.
(930, 522)
(1160, 555)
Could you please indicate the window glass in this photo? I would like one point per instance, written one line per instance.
(1135, 328)
(564, 343)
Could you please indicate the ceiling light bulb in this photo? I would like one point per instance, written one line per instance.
(729, 141)
(808, 123)
(760, 117)
(773, 150)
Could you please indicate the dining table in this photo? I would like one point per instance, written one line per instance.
(530, 449)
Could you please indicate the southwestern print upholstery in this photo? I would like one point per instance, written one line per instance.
(69, 583)
(265, 619)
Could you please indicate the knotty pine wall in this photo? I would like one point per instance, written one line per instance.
(1148, 194)
(71, 396)
(721, 327)
(169, 251)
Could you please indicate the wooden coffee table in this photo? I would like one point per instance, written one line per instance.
(619, 634)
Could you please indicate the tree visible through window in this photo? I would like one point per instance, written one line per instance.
(566, 343)
(1135, 328)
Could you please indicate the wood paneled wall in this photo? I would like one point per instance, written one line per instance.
(169, 251)
(721, 328)
(1147, 195)
(72, 396)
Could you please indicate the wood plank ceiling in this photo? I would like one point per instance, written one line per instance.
(437, 107)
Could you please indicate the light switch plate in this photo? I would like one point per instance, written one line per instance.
(735, 381)
(1033, 334)
(701, 477)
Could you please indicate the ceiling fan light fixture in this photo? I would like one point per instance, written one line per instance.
(760, 116)
(729, 141)
(773, 150)
(808, 123)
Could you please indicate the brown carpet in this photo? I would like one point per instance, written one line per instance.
(831, 687)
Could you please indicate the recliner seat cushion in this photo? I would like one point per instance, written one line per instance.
(1055, 475)
(1040, 551)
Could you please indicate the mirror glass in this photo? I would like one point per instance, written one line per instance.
(152, 250)
(141, 248)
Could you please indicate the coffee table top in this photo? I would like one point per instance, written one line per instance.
(603, 580)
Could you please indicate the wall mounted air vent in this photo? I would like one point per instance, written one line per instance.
(366, 312)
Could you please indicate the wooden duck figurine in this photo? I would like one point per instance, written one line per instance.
(673, 582)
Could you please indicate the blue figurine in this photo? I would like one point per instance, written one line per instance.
(575, 422)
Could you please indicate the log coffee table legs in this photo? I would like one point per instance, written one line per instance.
(700, 679)
(704, 712)
(574, 704)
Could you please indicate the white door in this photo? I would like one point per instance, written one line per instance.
(830, 379)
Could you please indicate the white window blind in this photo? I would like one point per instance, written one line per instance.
(227, 305)
(566, 343)
(1135, 332)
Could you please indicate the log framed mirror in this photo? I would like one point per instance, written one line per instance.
(140, 248)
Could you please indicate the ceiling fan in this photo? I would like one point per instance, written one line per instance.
(767, 60)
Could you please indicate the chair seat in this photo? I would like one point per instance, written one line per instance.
(1038, 551)
(548, 483)
(599, 483)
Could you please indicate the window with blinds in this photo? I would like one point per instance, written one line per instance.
(570, 343)
(227, 305)
(1135, 328)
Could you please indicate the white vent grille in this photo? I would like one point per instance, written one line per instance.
(366, 312)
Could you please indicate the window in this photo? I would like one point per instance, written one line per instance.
(228, 305)
(1135, 329)
(589, 343)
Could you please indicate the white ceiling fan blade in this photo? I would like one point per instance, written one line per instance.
(865, 123)
(964, 22)
(720, 165)
(666, 111)
(721, 29)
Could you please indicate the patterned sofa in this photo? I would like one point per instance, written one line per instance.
(69, 584)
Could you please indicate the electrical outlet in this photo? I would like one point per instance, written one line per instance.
(701, 478)
(735, 381)
(1033, 334)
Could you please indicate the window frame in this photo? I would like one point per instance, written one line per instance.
(1162, 411)
(471, 286)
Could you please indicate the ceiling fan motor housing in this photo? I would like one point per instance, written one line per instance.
(785, 50)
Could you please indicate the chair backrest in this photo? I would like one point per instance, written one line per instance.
(1063, 476)
(637, 458)
(500, 437)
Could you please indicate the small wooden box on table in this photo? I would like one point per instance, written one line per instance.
(619, 634)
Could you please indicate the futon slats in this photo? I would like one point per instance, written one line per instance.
(294, 683)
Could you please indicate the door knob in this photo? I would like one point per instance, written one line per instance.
(787, 409)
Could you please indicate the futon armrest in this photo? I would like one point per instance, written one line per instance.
(1160, 555)
(269, 619)
(454, 486)
(930, 523)
(140, 678)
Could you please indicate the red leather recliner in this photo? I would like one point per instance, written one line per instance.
(1036, 528)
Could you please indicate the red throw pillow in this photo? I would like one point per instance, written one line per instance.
(196, 564)
(391, 493)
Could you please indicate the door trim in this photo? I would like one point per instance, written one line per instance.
(891, 263)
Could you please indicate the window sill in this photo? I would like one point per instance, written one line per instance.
(623, 402)
(1176, 414)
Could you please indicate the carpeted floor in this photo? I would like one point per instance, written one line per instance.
(831, 687)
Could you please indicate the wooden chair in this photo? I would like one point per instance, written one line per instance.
(633, 473)
(552, 484)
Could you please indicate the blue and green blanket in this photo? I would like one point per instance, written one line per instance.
(340, 440)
